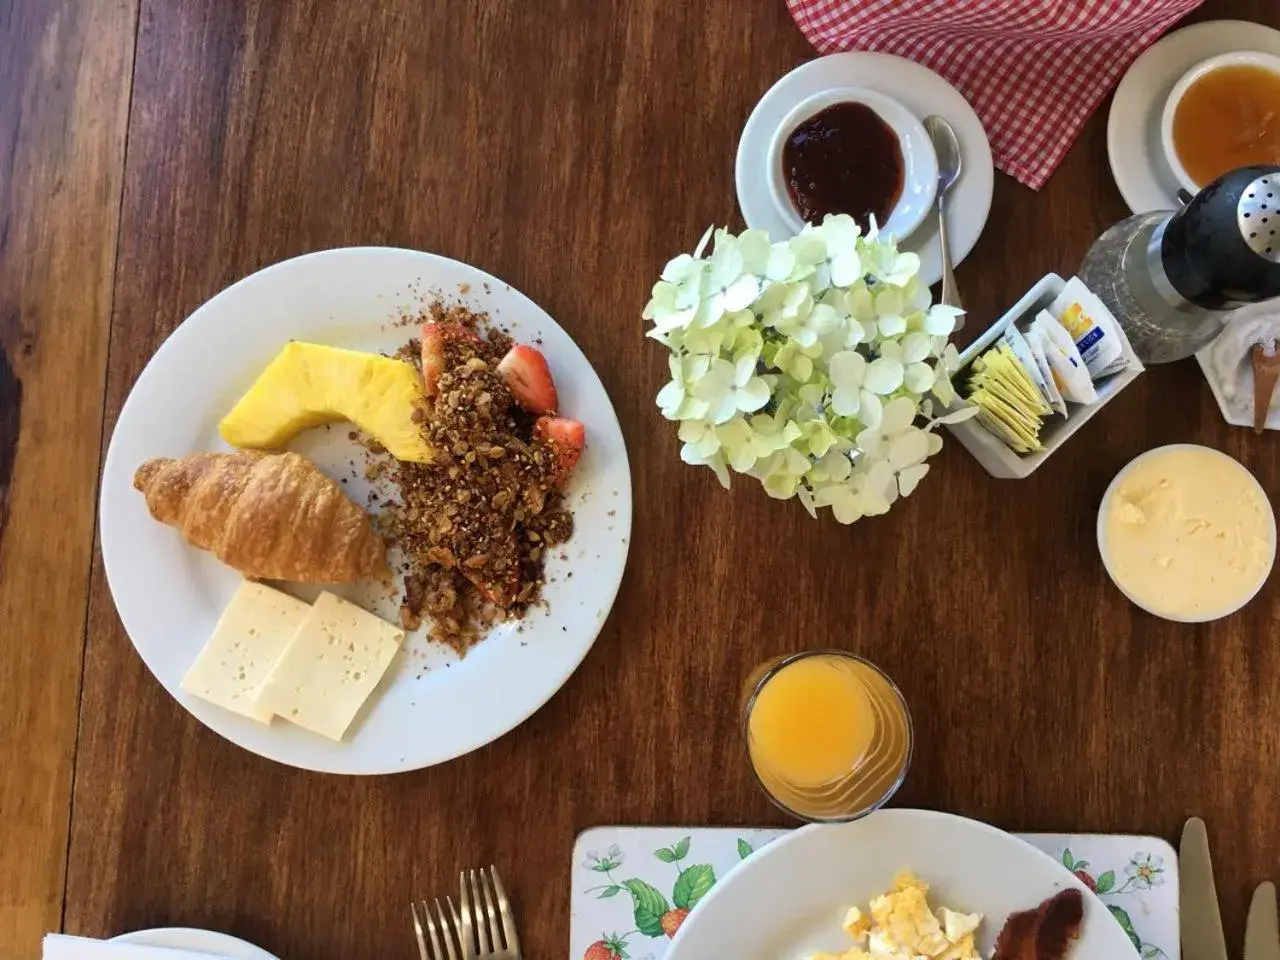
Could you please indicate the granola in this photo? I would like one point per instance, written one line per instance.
(474, 524)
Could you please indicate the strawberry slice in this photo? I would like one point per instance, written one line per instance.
(566, 438)
(529, 378)
(435, 337)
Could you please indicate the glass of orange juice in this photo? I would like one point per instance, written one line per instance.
(827, 733)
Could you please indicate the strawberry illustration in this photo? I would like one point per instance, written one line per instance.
(608, 947)
(672, 919)
(1087, 880)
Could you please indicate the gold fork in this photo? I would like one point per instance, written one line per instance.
(488, 924)
(441, 934)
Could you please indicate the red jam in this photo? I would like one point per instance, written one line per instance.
(843, 159)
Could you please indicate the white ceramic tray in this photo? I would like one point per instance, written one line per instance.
(998, 459)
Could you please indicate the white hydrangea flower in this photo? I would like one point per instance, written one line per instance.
(806, 364)
(729, 388)
(782, 473)
(674, 399)
(796, 361)
(848, 370)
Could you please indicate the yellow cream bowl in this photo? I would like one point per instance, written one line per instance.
(1187, 533)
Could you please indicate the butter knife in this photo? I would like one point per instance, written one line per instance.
(1201, 919)
(1262, 932)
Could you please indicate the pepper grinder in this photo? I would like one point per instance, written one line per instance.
(1172, 278)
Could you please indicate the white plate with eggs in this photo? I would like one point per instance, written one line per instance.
(789, 898)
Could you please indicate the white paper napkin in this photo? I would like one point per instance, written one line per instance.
(59, 947)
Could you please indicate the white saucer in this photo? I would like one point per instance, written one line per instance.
(1133, 127)
(195, 941)
(917, 88)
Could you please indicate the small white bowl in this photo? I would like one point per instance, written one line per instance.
(919, 162)
(1104, 510)
(1240, 58)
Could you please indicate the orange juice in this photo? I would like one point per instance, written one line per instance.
(827, 733)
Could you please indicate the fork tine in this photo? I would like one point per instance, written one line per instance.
(484, 937)
(469, 946)
(417, 929)
(491, 910)
(434, 932)
(508, 918)
(449, 952)
(468, 949)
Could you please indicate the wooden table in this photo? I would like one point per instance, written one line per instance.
(153, 152)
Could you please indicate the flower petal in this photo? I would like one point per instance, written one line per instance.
(755, 248)
(908, 448)
(916, 347)
(918, 377)
(889, 303)
(846, 268)
(899, 413)
(702, 244)
(753, 396)
(741, 293)
(959, 416)
(909, 478)
(680, 268)
(846, 402)
(871, 410)
(893, 326)
(884, 375)
(940, 321)
(847, 369)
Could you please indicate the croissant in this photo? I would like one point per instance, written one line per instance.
(272, 516)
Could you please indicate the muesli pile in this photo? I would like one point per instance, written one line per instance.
(474, 525)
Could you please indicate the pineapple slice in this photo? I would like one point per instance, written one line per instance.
(308, 384)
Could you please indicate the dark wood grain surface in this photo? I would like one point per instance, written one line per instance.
(64, 93)
(571, 147)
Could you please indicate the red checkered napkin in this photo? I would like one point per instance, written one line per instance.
(1034, 70)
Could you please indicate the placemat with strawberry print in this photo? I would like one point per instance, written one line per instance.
(633, 886)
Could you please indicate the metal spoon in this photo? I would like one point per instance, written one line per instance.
(947, 148)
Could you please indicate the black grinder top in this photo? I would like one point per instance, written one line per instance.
(1223, 248)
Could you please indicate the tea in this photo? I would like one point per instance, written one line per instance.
(1228, 118)
(827, 734)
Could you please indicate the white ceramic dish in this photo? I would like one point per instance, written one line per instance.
(1134, 146)
(1104, 510)
(787, 899)
(1248, 58)
(995, 457)
(430, 707)
(195, 941)
(920, 91)
(919, 162)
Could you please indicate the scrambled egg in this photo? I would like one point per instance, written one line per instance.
(902, 927)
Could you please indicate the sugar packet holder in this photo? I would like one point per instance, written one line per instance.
(996, 458)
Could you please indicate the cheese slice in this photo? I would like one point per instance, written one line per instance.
(330, 668)
(252, 633)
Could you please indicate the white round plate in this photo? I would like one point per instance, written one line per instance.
(918, 89)
(196, 941)
(1133, 127)
(431, 706)
(787, 899)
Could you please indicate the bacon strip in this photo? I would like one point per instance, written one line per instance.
(1044, 933)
